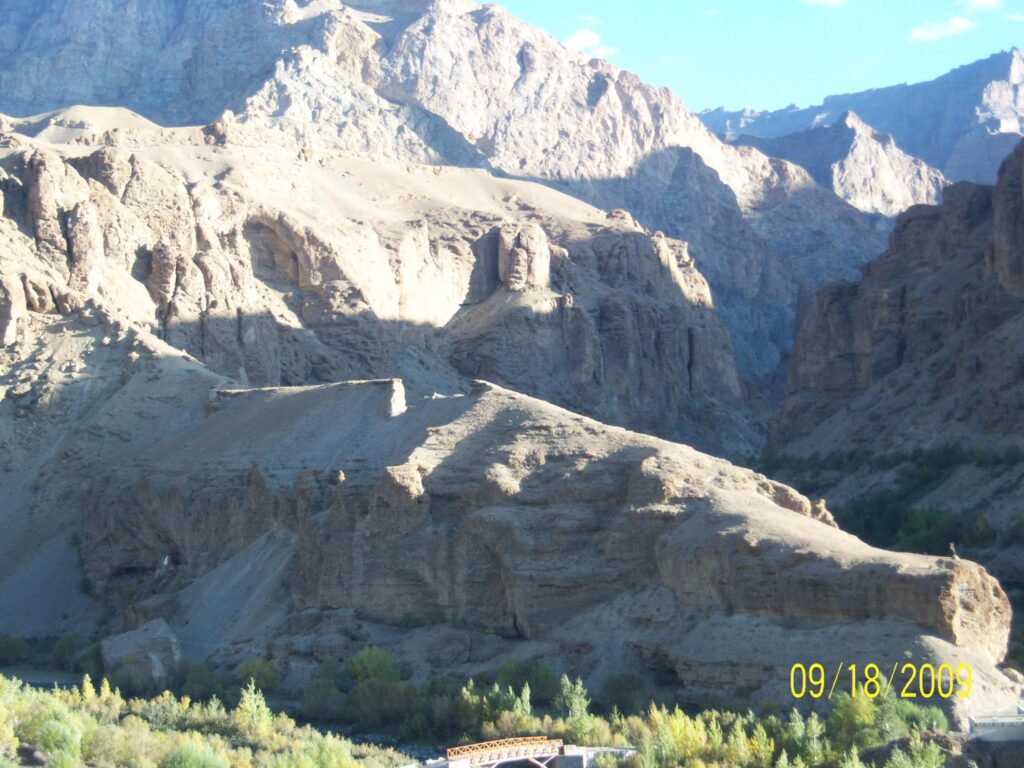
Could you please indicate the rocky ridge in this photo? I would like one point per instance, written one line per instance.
(863, 167)
(647, 557)
(963, 123)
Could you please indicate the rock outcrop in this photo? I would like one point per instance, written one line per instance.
(863, 167)
(963, 123)
(524, 258)
(145, 658)
(947, 288)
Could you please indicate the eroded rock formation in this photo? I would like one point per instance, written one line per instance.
(268, 292)
(459, 512)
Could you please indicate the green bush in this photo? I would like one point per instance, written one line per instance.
(930, 531)
(371, 664)
(374, 704)
(86, 726)
(192, 756)
(543, 680)
(920, 755)
(253, 717)
(13, 651)
(50, 728)
(264, 673)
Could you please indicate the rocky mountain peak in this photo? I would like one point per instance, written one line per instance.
(861, 165)
(962, 123)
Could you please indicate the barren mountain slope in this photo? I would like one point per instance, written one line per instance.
(452, 82)
(863, 167)
(963, 123)
(925, 351)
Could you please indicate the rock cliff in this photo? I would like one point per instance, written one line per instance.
(924, 350)
(360, 269)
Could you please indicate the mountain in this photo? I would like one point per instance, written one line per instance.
(963, 123)
(921, 354)
(454, 83)
(863, 167)
(152, 273)
(241, 359)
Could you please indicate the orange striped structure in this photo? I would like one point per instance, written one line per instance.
(506, 750)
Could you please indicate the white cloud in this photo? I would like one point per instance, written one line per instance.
(936, 30)
(712, 12)
(832, 3)
(1018, 17)
(981, 5)
(590, 21)
(588, 42)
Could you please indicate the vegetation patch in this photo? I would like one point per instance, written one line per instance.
(895, 517)
(89, 727)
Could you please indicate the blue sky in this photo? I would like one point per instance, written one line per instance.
(769, 53)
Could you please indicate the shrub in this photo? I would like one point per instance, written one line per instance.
(375, 704)
(13, 650)
(920, 755)
(84, 726)
(50, 727)
(371, 664)
(192, 756)
(197, 681)
(264, 673)
(253, 717)
(851, 720)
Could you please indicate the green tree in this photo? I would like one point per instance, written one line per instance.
(572, 700)
(252, 716)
